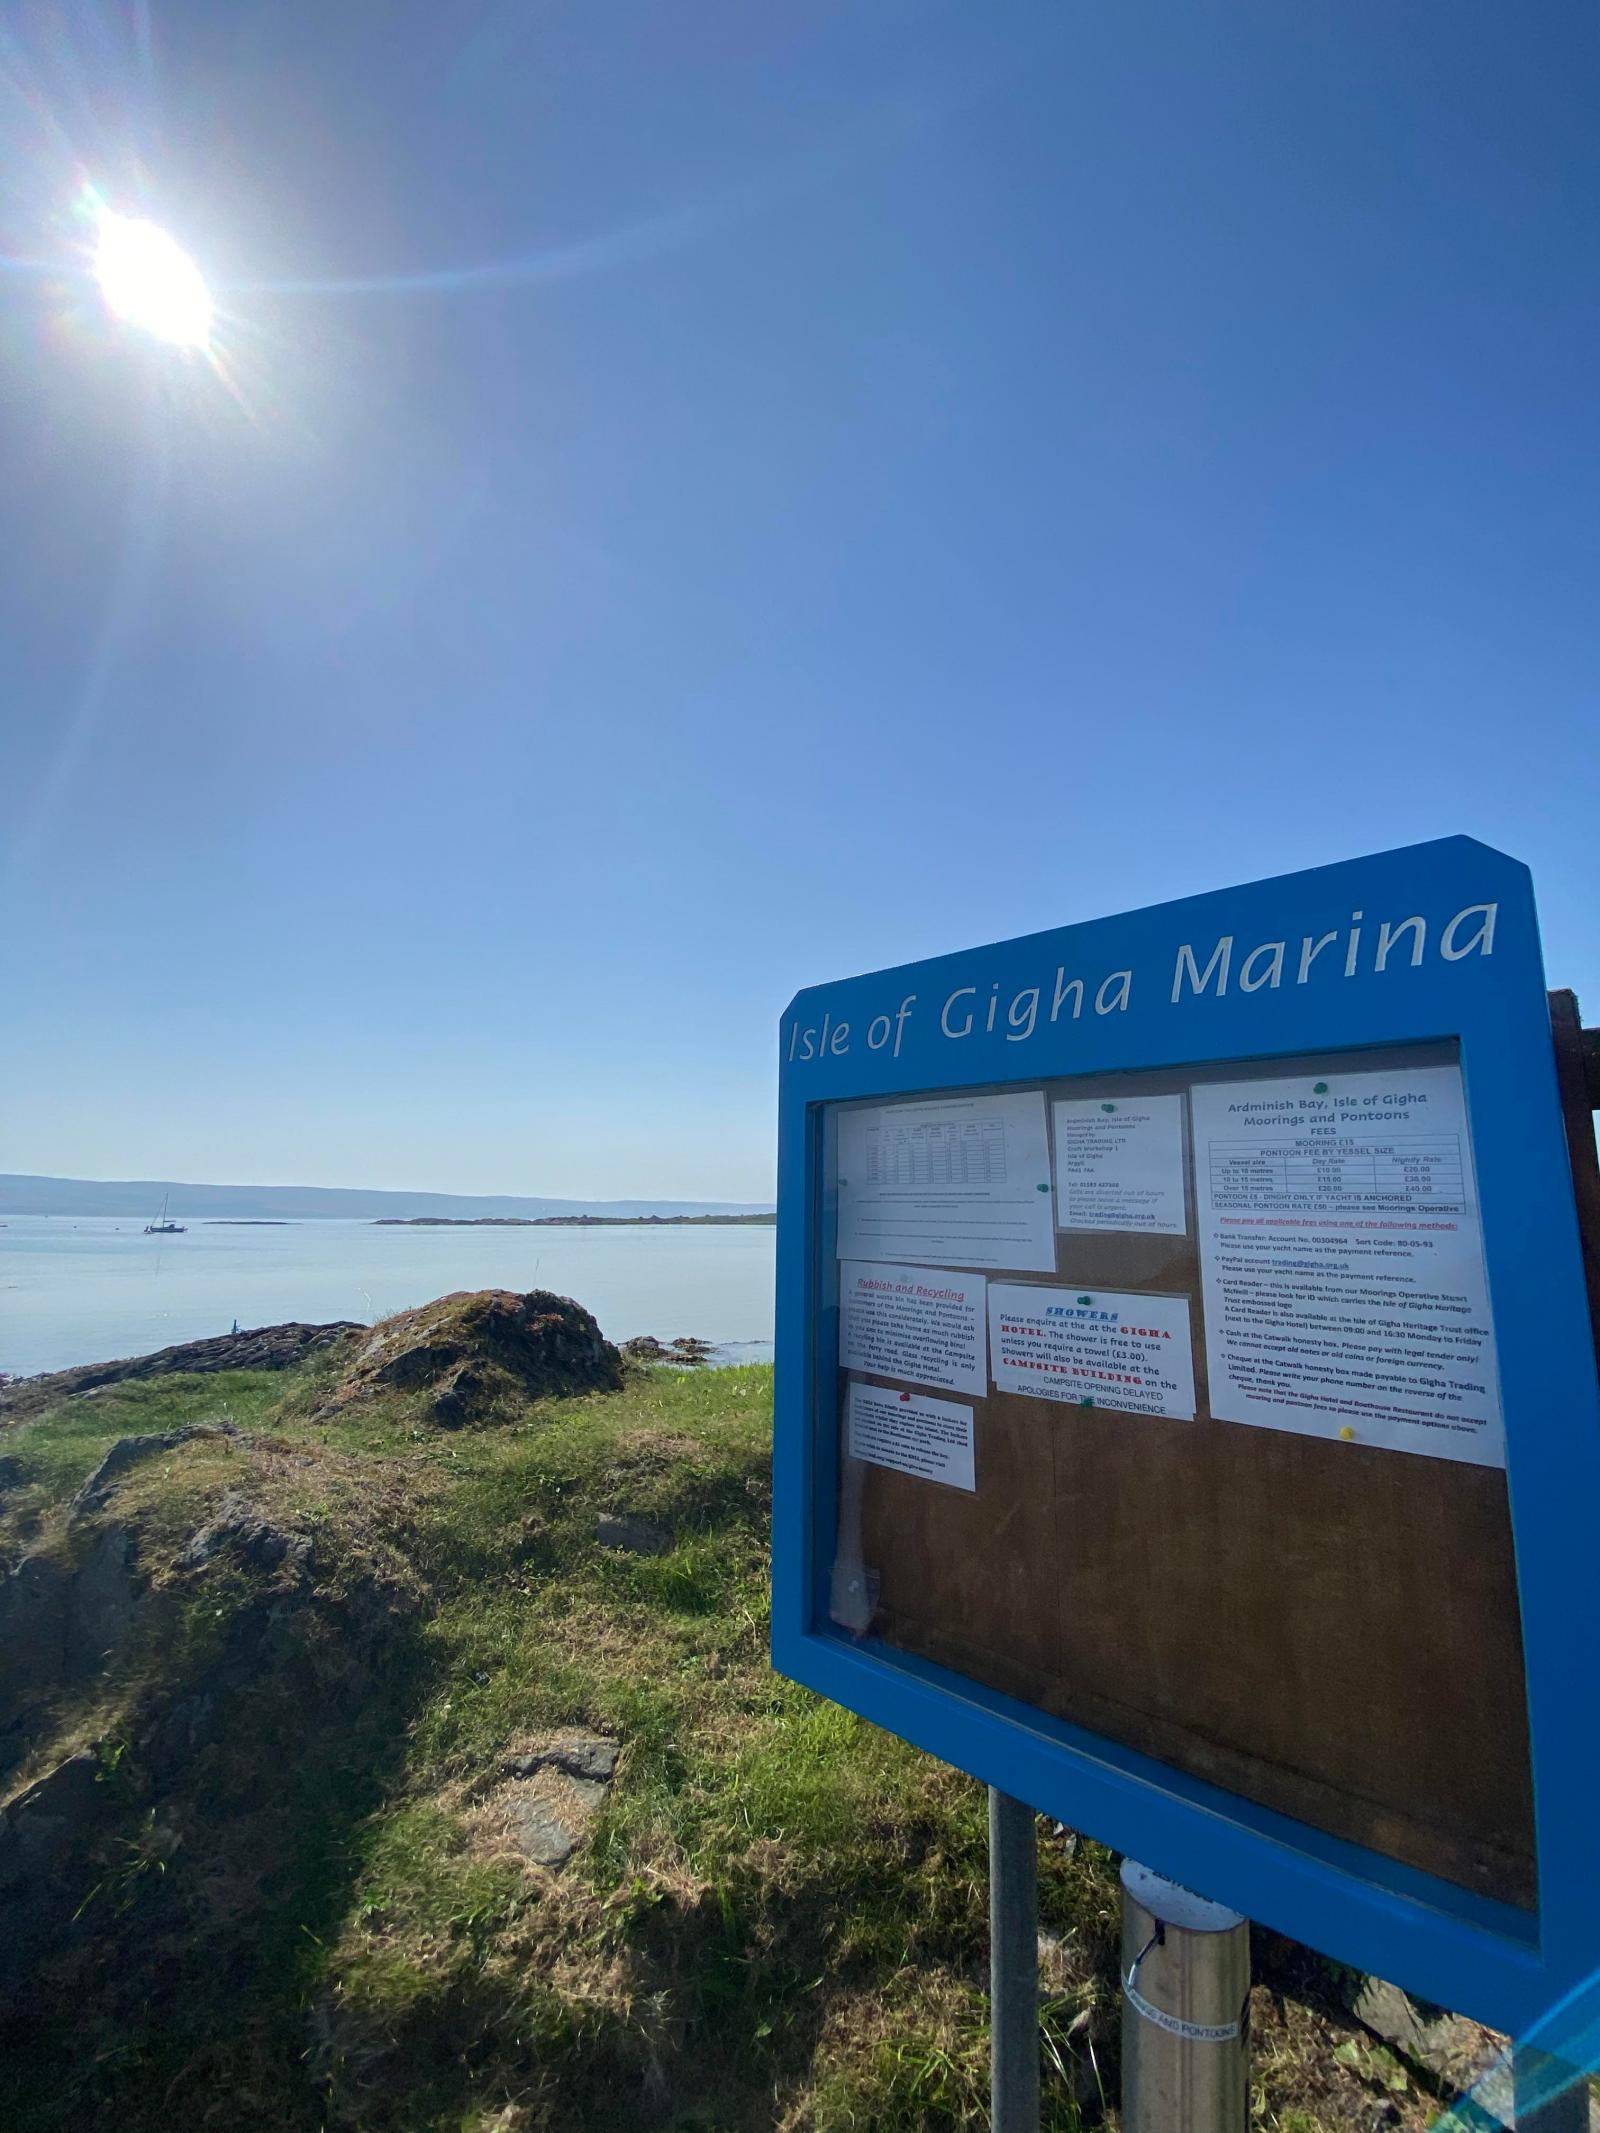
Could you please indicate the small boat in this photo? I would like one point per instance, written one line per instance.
(161, 1226)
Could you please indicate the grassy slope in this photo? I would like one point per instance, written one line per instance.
(779, 1921)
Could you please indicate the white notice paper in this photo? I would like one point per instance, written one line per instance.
(957, 1181)
(913, 1433)
(1341, 1260)
(1093, 1348)
(907, 1322)
(1119, 1164)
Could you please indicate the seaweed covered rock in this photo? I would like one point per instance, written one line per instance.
(687, 1350)
(479, 1352)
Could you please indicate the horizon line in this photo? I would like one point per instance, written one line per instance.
(42, 1177)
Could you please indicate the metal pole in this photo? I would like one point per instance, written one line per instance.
(1013, 1967)
(1551, 2097)
(1185, 1985)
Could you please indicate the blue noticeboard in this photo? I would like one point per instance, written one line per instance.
(1187, 1413)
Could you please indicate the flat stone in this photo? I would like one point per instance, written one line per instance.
(1447, 2045)
(589, 1756)
(541, 1834)
(547, 1815)
(1457, 2052)
(555, 1787)
(635, 1536)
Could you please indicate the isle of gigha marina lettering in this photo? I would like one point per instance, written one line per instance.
(1355, 947)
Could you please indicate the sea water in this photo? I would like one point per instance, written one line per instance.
(81, 1290)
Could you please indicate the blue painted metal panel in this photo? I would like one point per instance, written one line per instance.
(964, 1020)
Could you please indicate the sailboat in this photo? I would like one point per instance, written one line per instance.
(161, 1226)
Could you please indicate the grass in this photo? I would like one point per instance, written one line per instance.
(778, 1921)
(60, 1450)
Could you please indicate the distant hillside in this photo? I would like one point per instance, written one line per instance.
(20, 1195)
(767, 1220)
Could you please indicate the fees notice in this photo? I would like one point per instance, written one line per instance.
(1341, 1261)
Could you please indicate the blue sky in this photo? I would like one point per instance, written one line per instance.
(709, 498)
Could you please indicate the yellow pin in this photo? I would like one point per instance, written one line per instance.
(1348, 1434)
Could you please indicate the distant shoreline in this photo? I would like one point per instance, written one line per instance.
(574, 1221)
(133, 1198)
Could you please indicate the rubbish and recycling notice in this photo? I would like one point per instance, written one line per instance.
(921, 1324)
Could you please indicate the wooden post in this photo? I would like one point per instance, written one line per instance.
(1185, 1987)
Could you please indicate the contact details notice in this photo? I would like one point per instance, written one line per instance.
(1341, 1261)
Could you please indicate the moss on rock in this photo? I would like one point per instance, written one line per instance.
(482, 1352)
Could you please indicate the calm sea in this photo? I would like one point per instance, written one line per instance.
(81, 1291)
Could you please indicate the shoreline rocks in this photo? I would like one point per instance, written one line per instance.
(258, 1348)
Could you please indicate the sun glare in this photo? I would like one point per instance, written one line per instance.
(149, 280)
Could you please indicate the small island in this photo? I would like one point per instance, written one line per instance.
(575, 1221)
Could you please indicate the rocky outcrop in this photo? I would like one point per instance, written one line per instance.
(67, 1608)
(262, 1348)
(239, 1529)
(60, 1620)
(128, 1451)
(42, 1828)
(487, 1352)
(687, 1351)
(136, 1856)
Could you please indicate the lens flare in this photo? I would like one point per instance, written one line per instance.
(148, 280)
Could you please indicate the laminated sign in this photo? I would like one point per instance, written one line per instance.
(1187, 1403)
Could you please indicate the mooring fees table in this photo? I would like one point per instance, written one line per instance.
(1347, 1170)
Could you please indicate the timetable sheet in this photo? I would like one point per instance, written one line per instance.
(961, 1181)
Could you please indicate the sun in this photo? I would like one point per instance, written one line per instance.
(149, 280)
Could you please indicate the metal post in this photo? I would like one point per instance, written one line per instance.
(1185, 1986)
(1013, 1967)
(1551, 2097)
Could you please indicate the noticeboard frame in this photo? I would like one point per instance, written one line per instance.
(1504, 1966)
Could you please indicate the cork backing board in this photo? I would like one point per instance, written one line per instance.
(1327, 1629)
